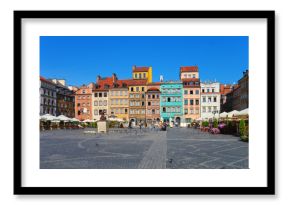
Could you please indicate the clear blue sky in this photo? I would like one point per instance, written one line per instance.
(80, 59)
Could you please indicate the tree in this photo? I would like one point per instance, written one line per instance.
(242, 128)
(215, 123)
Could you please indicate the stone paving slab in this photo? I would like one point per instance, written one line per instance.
(177, 148)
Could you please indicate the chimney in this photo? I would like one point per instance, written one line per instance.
(133, 68)
(161, 78)
(114, 78)
(98, 78)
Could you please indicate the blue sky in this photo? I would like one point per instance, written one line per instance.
(80, 59)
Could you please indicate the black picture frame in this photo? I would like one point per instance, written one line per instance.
(268, 190)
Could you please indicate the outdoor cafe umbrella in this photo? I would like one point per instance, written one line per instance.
(244, 112)
(48, 117)
(223, 114)
(63, 118)
(233, 113)
(74, 120)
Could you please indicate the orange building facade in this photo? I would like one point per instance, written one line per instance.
(153, 103)
(83, 102)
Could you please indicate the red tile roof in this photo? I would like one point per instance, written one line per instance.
(45, 80)
(154, 83)
(153, 89)
(140, 69)
(188, 69)
(190, 80)
(133, 82)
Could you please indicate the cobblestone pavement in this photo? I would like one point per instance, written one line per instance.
(180, 148)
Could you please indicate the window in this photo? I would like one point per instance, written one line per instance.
(143, 96)
(132, 89)
(84, 104)
(105, 102)
(153, 111)
(149, 96)
(193, 75)
(126, 110)
(185, 101)
(209, 99)
(191, 102)
(191, 111)
(143, 87)
(149, 103)
(139, 75)
(153, 96)
(144, 75)
(214, 99)
(137, 89)
(100, 95)
(163, 109)
(191, 92)
(143, 103)
(189, 75)
(197, 92)
(95, 112)
(157, 96)
(196, 111)
(100, 103)
(196, 102)
(185, 92)
(137, 96)
(136, 75)
(96, 103)
(203, 90)
(203, 109)
(168, 99)
(203, 99)
(105, 94)
(207, 90)
(83, 91)
(186, 111)
(185, 75)
(209, 109)
(212, 90)
(215, 108)
(131, 96)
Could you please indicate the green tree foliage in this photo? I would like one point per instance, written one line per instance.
(215, 123)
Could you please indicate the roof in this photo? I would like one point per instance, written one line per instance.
(133, 82)
(103, 82)
(154, 83)
(141, 69)
(153, 89)
(190, 80)
(47, 81)
(188, 69)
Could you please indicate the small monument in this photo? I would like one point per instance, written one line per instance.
(102, 123)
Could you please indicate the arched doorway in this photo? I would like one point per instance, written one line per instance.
(177, 121)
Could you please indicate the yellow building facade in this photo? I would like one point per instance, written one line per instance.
(142, 73)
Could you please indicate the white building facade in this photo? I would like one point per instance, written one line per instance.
(210, 100)
(100, 103)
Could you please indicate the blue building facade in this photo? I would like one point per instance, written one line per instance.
(171, 101)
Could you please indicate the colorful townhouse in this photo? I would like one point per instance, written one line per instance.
(100, 97)
(142, 73)
(210, 99)
(191, 93)
(83, 102)
(118, 100)
(137, 100)
(153, 103)
(65, 103)
(48, 100)
(171, 101)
